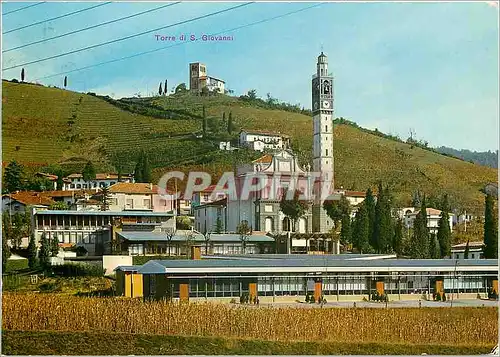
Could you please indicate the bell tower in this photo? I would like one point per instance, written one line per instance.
(322, 110)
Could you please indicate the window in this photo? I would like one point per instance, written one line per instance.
(147, 203)
(72, 185)
(326, 152)
(472, 255)
(95, 184)
(129, 203)
(206, 196)
(78, 186)
(326, 127)
(84, 185)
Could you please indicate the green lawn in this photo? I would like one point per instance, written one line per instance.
(85, 343)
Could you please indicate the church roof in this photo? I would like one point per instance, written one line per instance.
(266, 159)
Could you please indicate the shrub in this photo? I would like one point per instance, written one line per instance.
(233, 301)
(438, 297)
(78, 270)
(16, 264)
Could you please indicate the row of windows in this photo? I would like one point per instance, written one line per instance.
(94, 185)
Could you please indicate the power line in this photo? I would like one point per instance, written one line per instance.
(23, 8)
(57, 17)
(91, 27)
(177, 44)
(127, 37)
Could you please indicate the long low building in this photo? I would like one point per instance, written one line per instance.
(334, 277)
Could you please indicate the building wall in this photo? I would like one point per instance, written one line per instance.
(474, 253)
(123, 201)
(80, 183)
(205, 218)
(111, 262)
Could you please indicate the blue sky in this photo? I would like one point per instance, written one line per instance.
(430, 67)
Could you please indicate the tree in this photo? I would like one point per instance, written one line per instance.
(22, 75)
(490, 249)
(54, 247)
(252, 94)
(382, 229)
(89, 172)
(204, 123)
(44, 254)
(146, 169)
(346, 231)
(370, 211)
(138, 169)
(360, 239)
(218, 226)
(32, 258)
(165, 91)
(205, 92)
(104, 198)
(160, 90)
(59, 206)
(397, 243)
(244, 230)
(230, 125)
(13, 177)
(420, 241)
(180, 88)
(6, 226)
(466, 252)
(5, 252)
(65, 81)
(444, 234)
(17, 230)
(434, 248)
(293, 208)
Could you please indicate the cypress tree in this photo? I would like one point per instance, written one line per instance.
(54, 247)
(22, 75)
(382, 228)
(65, 81)
(32, 258)
(89, 172)
(370, 211)
(434, 248)
(360, 238)
(397, 242)
(146, 169)
(165, 90)
(420, 241)
(345, 231)
(466, 252)
(490, 229)
(444, 233)
(138, 169)
(160, 90)
(44, 255)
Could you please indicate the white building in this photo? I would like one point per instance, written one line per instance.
(206, 196)
(475, 250)
(262, 140)
(76, 181)
(322, 109)
(126, 196)
(207, 215)
(409, 214)
(198, 79)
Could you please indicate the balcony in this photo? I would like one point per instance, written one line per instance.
(328, 75)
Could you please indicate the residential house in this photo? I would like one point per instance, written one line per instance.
(96, 230)
(76, 181)
(52, 178)
(126, 196)
(475, 250)
(206, 196)
(409, 214)
(207, 216)
(262, 140)
(19, 201)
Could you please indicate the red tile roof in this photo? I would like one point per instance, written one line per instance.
(31, 198)
(266, 159)
(355, 193)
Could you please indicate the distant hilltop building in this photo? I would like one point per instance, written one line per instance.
(198, 79)
(261, 140)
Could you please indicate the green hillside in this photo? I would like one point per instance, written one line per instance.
(49, 125)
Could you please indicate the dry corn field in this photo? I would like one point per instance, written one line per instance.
(409, 325)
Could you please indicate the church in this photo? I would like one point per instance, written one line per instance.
(261, 211)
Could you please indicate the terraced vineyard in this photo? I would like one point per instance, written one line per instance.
(50, 125)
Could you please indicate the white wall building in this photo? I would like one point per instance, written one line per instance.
(262, 140)
(199, 79)
(138, 196)
(409, 214)
(475, 250)
(207, 215)
(76, 181)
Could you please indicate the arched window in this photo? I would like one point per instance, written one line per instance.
(269, 226)
(286, 225)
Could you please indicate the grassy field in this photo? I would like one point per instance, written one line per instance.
(88, 344)
(446, 326)
(50, 125)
